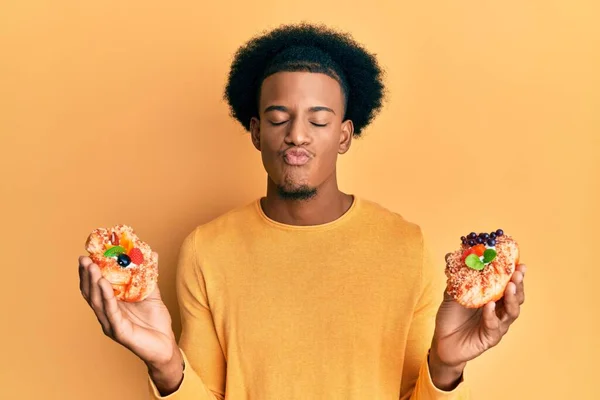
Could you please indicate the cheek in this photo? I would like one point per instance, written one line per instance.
(324, 164)
(272, 163)
(329, 154)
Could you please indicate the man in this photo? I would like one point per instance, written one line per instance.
(307, 293)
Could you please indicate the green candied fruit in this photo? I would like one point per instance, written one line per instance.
(114, 251)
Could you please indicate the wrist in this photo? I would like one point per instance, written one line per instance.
(444, 376)
(167, 376)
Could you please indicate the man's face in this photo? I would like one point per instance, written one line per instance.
(300, 131)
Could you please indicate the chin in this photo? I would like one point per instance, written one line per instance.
(296, 191)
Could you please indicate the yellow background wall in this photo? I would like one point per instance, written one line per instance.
(111, 112)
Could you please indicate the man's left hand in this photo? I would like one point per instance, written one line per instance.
(461, 334)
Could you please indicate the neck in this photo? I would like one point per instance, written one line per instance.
(326, 206)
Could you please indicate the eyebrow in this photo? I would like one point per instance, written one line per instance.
(312, 109)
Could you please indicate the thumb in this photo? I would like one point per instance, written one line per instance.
(447, 256)
(447, 296)
(155, 295)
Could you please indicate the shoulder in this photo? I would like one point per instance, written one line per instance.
(232, 222)
(384, 219)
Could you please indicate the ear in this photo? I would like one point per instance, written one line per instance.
(255, 132)
(346, 135)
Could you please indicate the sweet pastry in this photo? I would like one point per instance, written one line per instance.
(479, 271)
(128, 263)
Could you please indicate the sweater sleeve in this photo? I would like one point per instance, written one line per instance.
(205, 365)
(416, 379)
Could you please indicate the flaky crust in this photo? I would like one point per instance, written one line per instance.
(474, 289)
(133, 283)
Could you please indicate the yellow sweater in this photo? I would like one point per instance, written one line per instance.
(343, 310)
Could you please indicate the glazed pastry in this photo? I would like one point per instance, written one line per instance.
(479, 271)
(125, 261)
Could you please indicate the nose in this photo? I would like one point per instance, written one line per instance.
(297, 133)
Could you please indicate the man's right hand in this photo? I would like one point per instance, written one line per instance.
(143, 327)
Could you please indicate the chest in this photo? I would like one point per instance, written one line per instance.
(320, 293)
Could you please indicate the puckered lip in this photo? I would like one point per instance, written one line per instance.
(297, 152)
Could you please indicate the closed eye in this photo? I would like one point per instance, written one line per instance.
(283, 122)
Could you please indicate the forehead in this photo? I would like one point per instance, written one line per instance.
(302, 89)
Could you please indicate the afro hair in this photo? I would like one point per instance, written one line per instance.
(311, 48)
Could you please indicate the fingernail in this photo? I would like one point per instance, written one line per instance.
(523, 269)
(514, 289)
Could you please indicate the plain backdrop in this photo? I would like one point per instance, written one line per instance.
(112, 112)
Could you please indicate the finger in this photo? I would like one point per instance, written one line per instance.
(85, 261)
(522, 268)
(96, 298)
(518, 278)
(491, 323)
(521, 293)
(112, 311)
(84, 283)
(500, 311)
(447, 256)
(511, 306)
